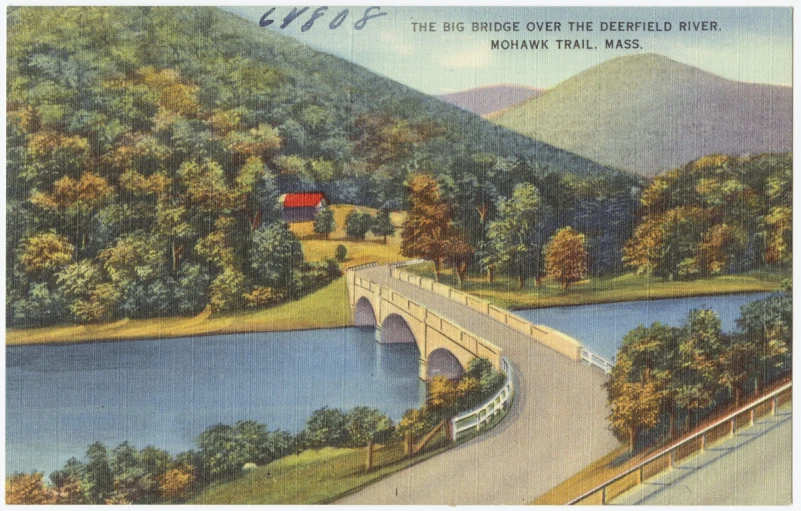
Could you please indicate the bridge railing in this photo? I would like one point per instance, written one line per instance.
(557, 341)
(667, 457)
(596, 360)
(483, 414)
(362, 266)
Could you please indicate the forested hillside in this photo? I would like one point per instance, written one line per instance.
(147, 147)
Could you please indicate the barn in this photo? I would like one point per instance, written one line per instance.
(301, 207)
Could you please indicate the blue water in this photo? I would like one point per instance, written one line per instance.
(601, 327)
(60, 399)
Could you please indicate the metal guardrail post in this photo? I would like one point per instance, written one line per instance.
(773, 406)
(751, 417)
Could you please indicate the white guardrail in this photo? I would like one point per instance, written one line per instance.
(481, 415)
(596, 360)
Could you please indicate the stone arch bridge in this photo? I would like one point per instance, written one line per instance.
(450, 328)
(445, 348)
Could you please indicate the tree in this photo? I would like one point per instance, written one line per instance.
(653, 354)
(69, 483)
(77, 200)
(566, 257)
(358, 224)
(216, 446)
(511, 244)
(382, 224)
(99, 476)
(28, 489)
(416, 422)
(635, 405)
(738, 363)
(176, 484)
(767, 326)
(366, 425)
(458, 253)
(46, 252)
(489, 380)
(428, 224)
(327, 427)
(341, 253)
(442, 395)
(132, 483)
(275, 256)
(699, 350)
(171, 222)
(324, 222)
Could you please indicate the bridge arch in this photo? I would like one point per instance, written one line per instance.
(441, 362)
(364, 313)
(395, 329)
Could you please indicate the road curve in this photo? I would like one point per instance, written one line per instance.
(556, 427)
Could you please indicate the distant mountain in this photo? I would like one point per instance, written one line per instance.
(491, 98)
(648, 113)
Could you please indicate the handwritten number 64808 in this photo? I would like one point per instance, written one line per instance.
(369, 14)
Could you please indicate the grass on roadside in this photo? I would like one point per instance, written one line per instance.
(598, 472)
(504, 292)
(312, 477)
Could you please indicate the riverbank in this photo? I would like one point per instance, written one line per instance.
(328, 307)
(505, 292)
(324, 308)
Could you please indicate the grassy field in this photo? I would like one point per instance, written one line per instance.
(312, 477)
(504, 292)
(316, 247)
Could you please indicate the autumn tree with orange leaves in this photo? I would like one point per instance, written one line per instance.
(566, 257)
(428, 232)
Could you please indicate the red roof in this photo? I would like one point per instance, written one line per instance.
(303, 200)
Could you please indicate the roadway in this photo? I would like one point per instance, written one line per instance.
(753, 468)
(557, 425)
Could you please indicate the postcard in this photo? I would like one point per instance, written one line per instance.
(399, 255)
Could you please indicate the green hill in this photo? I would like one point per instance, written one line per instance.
(647, 113)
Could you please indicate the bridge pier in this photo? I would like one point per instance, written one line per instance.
(423, 374)
(378, 334)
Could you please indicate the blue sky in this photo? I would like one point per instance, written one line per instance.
(752, 45)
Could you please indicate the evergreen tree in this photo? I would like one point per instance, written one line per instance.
(382, 225)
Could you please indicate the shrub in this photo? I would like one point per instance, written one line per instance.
(341, 253)
(366, 425)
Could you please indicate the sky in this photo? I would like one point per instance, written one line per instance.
(751, 44)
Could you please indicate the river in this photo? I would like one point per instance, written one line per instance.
(601, 327)
(61, 398)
